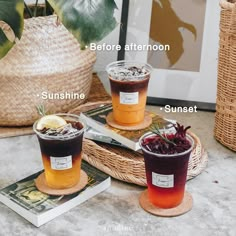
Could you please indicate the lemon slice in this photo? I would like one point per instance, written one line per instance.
(50, 122)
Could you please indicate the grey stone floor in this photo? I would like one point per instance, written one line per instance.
(117, 211)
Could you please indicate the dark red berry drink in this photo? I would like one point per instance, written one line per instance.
(166, 168)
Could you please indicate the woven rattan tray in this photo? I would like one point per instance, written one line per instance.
(127, 165)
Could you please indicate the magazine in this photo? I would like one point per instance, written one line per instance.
(38, 208)
(94, 135)
(96, 118)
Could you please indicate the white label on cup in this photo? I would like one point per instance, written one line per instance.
(129, 98)
(163, 181)
(61, 163)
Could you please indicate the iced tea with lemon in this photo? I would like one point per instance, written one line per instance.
(60, 138)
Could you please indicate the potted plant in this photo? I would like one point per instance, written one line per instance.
(40, 55)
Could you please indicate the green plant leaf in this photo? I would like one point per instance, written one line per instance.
(11, 23)
(88, 20)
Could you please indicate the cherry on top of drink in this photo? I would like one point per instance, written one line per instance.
(167, 143)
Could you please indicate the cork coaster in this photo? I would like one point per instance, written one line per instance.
(181, 209)
(146, 122)
(41, 185)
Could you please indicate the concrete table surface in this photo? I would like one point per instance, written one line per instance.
(117, 211)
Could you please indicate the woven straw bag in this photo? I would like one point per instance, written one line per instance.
(225, 119)
(47, 59)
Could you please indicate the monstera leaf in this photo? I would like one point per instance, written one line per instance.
(11, 24)
(88, 20)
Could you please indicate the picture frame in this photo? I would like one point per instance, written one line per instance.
(123, 29)
(176, 87)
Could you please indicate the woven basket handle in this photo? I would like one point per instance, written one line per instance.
(233, 17)
(8, 31)
(230, 6)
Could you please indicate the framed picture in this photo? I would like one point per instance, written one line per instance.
(123, 29)
(179, 38)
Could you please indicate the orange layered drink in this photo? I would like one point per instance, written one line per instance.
(129, 84)
(60, 137)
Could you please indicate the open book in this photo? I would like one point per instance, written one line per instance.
(39, 208)
(96, 118)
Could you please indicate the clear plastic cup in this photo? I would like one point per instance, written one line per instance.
(166, 175)
(62, 154)
(129, 91)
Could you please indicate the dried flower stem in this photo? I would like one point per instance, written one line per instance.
(156, 130)
(41, 110)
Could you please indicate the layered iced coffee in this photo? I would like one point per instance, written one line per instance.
(129, 84)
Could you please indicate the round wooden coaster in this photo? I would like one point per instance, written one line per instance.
(42, 186)
(183, 208)
(146, 122)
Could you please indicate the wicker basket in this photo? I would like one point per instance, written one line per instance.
(128, 165)
(46, 59)
(225, 119)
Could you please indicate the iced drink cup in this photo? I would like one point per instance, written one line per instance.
(129, 84)
(61, 150)
(166, 174)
